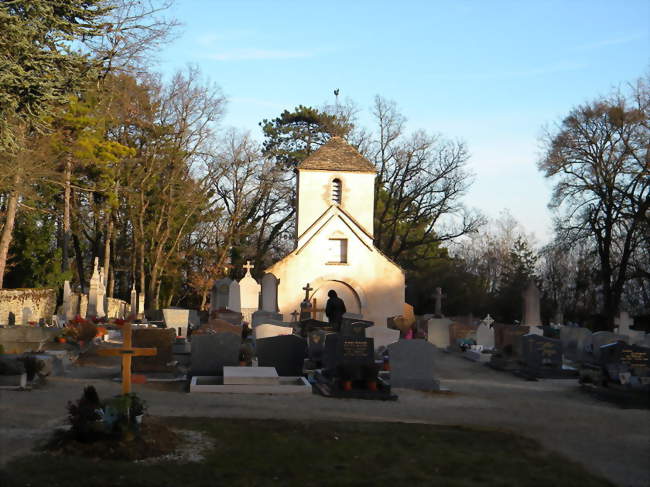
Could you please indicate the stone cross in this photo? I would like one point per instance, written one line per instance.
(623, 322)
(307, 289)
(438, 297)
(127, 352)
(488, 320)
(248, 267)
(295, 315)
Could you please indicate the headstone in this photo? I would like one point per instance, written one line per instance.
(68, 310)
(260, 316)
(159, 338)
(350, 358)
(249, 289)
(141, 297)
(382, 336)
(267, 331)
(438, 332)
(412, 365)
(485, 336)
(270, 293)
(505, 337)
(217, 325)
(626, 364)
(316, 345)
(220, 294)
(194, 319)
(531, 312)
(234, 297)
(233, 317)
(601, 338)
(178, 319)
(93, 291)
(540, 354)
(210, 352)
(355, 328)
(286, 353)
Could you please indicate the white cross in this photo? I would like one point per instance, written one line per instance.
(488, 320)
(248, 267)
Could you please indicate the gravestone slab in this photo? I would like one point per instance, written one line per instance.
(485, 336)
(541, 355)
(234, 297)
(316, 345)
(505, 337)
(286, 353)
(438, 332)
(211, 352)
(268, 331)
(412, 365)
(260, 316)
(220, 293)
(354, 328)
(160, 338)
(230, 316)
(270, 293)
(220, 326)
(178, 319)
(382, 336)
(250, 375)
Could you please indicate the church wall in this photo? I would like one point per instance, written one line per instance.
(377, 281)
(314, 196)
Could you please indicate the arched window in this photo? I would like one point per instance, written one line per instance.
(336, 191)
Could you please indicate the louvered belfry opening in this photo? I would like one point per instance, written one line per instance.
(336, 191)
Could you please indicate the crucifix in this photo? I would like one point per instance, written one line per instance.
(438, 297)
(305, 305)
(127, 351)
(307, 290)
(314, 309)
(248, 267)
(295, 315)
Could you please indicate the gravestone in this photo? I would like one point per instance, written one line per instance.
(232, 317)
(316, 345)
(220, 294)
(194, 320)
(531, 312)
(141, 297)
(260, 316)
(623, 327)
(270, 293)
(585, 344)
(349, 321)
(286, 353)
(627, 364)
(485, 336)
(601, 338)
(234, 297)
(249, 290)
(162, 340)
(307, 326)
(134, 301)
(349, 360)
(382, 336)
(354, 328)
(438, 332)
(220, 326)
(268, 330)
(505, 337)
(210, 352)
(177, 319)
(412, 365)
(68, 310)
(540, 355)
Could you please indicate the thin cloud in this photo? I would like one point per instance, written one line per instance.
(510, 74)
(252, 54)
(610, 42)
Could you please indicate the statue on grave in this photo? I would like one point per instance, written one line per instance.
(334, 310)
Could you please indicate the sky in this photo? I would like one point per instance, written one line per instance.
(490, 73)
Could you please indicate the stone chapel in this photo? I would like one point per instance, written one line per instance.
(334, 241)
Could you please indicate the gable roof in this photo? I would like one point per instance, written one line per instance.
(337, 155)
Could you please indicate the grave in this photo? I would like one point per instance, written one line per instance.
(309, 325)
(438, 332)
(250, 380)
(20, 339)
(541, 357)
(260, 316)
(177, 319)
(232, 317)
(601, 338)
(349, 370)
(354, 328)
(268, 330)
(162, 340)
(461, 336)
(412, 365)
(211, 352)
(286, 353)
(315, 348)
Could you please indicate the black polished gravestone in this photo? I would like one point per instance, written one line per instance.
(211, 352)
(541, 357)
(286, 353)
(355, 328)
(349, 369)
(315, 348)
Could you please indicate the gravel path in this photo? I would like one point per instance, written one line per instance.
(606, 439)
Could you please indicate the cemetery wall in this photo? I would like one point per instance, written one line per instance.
(41, 302)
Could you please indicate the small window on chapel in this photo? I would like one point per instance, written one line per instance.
(338, 251)
(336, 191)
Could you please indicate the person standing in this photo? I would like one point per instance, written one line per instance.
(334, 310)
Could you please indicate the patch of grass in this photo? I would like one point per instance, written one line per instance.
(300, 453)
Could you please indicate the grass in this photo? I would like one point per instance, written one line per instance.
(288, 453)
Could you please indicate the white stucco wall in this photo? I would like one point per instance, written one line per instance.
(314, 196)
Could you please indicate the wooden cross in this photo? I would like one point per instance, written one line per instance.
(307, 288)
(314, 309)
(248, 267)
(127, 351)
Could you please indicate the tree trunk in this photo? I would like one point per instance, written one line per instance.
(8, 228)
(107, 248)
(67, 193)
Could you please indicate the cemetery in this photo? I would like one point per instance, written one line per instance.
(211, 276)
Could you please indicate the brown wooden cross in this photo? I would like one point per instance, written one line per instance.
(314, 309)
(127, 351)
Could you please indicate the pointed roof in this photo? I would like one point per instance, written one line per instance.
(337, 155)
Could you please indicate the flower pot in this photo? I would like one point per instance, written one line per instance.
(347, 385)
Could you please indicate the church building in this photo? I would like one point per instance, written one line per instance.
(334, 247)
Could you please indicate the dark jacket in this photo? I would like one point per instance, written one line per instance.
(335, 309)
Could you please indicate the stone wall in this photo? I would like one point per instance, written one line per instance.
(41, 302)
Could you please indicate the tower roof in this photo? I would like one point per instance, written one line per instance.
(337, 155)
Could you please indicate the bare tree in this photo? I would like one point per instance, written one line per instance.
(598, 158)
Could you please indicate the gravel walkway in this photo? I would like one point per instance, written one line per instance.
(604, 438)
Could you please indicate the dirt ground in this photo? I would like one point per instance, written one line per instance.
(604, 438)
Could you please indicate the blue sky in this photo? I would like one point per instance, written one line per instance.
(490, 73)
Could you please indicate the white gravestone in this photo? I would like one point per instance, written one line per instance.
(623, 327)
(249, 290)
(270, 293)
(134, 301)
(267, 331)
(177, 318)
(485, 334)
(438, 332)
(382, 335)
(95, 294)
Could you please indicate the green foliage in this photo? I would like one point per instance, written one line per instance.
(38, 67)
(35, 258)
(293, 136)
